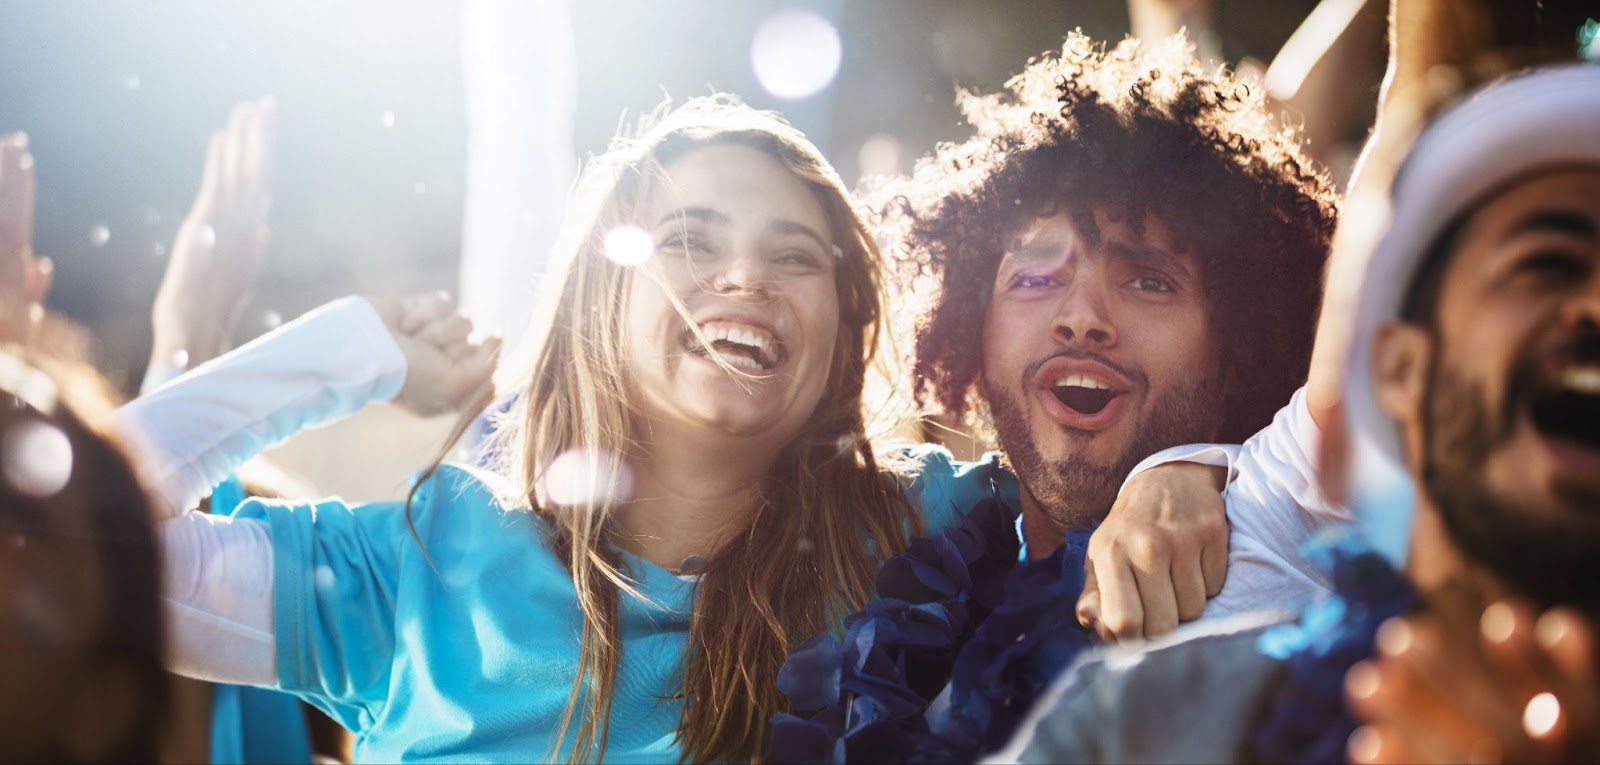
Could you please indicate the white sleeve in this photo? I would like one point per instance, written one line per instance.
(217, 598)
(1275, 505)
(1216, 455)
(192, 432)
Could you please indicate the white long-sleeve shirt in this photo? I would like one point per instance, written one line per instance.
(194, 431)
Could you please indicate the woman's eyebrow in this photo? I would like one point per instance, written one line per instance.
(794, 227)
(698, 213)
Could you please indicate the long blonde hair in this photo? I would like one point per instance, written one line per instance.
(828, 513)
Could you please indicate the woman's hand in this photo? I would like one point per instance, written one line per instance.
(1520, 687)
(221, 244)
(446, 366)
(1159, 555)
(24, 278)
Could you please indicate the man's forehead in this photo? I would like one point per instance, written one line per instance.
(1045, 240)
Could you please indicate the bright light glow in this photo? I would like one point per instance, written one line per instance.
(205, 236)
(629, 246)
(1541, 715)
(36, 458)
(587, 477)
(180, 359)
(386, 119)
(880, 155)
(795, 53)
(271, 320)
(99, 235)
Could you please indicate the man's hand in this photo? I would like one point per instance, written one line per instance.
(1521, 687)
(221, 245)
(446, 367)
(1159, 555)
(24, 278)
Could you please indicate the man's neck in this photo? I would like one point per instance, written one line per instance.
(1040, 532)
(1439, 569)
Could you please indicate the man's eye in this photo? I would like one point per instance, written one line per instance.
(1031, 281)
(1556, 264)
(1151, 284)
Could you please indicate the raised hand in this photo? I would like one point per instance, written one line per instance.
(24, 278)
(221, 244)
(447, 368)
(1520, 687)
(1159, 555)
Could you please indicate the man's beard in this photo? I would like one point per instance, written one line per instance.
(1546, 556)
(1075, 491)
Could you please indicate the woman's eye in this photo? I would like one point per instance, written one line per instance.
(798, 258)
(688, 244)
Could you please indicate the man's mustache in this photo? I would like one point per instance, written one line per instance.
(1132, 375)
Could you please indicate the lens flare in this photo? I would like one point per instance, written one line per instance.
(795, 54)
(587, 477)
(629, 246)
(36, 458)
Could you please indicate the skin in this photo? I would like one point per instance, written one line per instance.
(1452, 683)
(1128, 309)
(737, 237)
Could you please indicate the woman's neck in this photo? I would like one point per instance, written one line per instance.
(688, 496)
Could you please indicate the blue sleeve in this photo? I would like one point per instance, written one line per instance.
(947, 489)
(335, 573)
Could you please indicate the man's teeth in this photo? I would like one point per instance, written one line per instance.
(1081, 381)
(1585, 380)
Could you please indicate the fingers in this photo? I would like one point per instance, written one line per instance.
(17, 193)
(419, 311)
(1189, 586)
(1158, 599)
(40, 275)
(447, 334)
(259, 136)
(1121, 611)
(1089, 599)
(1214, 565)
(237, 181)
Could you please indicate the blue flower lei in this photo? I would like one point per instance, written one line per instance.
(942, 666)
(1310, 722)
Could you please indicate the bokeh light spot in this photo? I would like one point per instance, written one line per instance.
(386, 119)
(36, 458)
(1541, 715)
(99, 235)
(795, 53)
(587, 477)
(629, 246)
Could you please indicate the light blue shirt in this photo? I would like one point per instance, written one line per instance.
(471, 656)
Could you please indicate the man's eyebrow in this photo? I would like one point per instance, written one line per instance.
(698, 213)
(1154, 257)
(794, 227)
(1556, 221)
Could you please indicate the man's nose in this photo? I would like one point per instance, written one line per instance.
(1083, 315)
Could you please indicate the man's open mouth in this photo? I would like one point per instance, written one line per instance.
(1083, 394)
(744, 347)
(1568, 406)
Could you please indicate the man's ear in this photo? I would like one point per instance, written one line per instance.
(1402, 354)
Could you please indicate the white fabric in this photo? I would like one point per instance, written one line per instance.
(192, 432)
(195, 430)
(1274, 505)
(217, 593)
(1225, 456)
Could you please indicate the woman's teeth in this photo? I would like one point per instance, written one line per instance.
(742, 346)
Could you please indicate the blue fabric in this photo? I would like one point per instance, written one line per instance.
(469, 652)
(253, 725)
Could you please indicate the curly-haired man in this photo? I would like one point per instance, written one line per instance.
(1126, 256)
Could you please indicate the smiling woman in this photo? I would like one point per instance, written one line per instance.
(683, 487)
